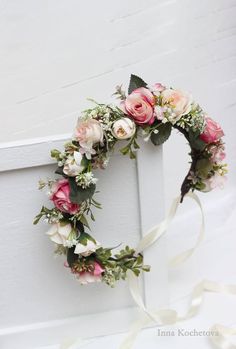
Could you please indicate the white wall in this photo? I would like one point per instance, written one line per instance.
(55, 53)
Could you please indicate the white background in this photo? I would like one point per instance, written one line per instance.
(54, 54)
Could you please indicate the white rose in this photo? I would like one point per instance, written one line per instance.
(59, 233)
(72, 166)
(86, 250)
(123, 128)
(179, 101)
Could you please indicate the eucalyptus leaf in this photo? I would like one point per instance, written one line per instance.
(164, 131)
(136, 82)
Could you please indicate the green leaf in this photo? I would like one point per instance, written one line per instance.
(146, 268)
(164, 131)
(59, 171)
(37, 219)
(84, 237)
(135, 82)
(84, 162)
(39, 215)
(71, 256)
(136, 272)
(204, 167)
(55, 154)
(132, 155)
(196, 142)
(135, 144)
(84, 221)
(78, 194)
(124, 150)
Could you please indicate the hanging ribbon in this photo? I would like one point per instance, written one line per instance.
(164, 317)
(170, 316)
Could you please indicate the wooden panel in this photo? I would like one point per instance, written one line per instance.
(36, 285)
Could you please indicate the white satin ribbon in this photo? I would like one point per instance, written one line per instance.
(164, 317)
(170, 316)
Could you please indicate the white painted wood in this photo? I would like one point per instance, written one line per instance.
(37, 286)
(55, 332)
(48, 70)
(30, 153)
(151, 197)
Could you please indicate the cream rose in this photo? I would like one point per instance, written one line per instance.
(179, 101)
(73, 165)
(59, 233)
(123, 128)
(88, 133)
(86, 250)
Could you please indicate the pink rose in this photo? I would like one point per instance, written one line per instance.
(61, 197)
(86, 277)
(140, 106)
(217, 152)
(212, 132)
(88, 133)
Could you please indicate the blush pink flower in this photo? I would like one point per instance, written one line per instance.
(212, 132)
(157, 88)
(216, 181)
(60, 195)
(139, 105)
(217, 152)
(86, 277)
(179, 101)
(88, 133)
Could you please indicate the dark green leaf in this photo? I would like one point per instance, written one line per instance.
(84, 162)
(78, 194)
(84, 237)
(37, 219)
(71, 256)
(196, 142)
(135, 82)
(84, 221)
(204, 167)
(59, 171)
(80, 226)
(164, 131)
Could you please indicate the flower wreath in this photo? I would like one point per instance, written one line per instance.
(147, 111)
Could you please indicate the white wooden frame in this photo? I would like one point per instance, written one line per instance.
(155, 286)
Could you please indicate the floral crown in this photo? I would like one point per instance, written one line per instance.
(147, 111)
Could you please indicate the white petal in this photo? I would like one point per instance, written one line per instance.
(64, 230)
(78, 157)
(57, 239)
(52, 230)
